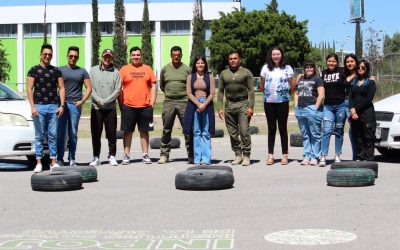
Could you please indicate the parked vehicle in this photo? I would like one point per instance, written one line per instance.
(17, 133)
(387, 113)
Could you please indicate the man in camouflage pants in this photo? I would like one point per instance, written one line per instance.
(173, 83)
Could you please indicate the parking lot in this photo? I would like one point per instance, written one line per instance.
(138, 207)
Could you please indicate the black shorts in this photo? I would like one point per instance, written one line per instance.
(143, 117)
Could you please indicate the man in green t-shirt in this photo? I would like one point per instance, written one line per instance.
(237, 84)
(173, 83)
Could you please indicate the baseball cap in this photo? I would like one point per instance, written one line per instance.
(107, 52)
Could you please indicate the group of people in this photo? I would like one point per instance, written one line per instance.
(322, 104)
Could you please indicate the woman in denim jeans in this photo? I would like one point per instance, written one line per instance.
(199, 113)
(335, 107)
(308, 98)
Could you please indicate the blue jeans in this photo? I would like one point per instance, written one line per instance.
(46, 126)
(69, 119)
(201, 137)
(334, 117)
(310, 120)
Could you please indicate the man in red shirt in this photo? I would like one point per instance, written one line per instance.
(138, 96)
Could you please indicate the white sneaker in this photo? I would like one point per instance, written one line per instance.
(112, 161)
(95, 162)
(322, 162)
(38, 168)
(146, 159)
(126, 160)
(55, 165)
(337, 158)
(72, 163)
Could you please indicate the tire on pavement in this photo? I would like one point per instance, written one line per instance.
(296, 140)
(254, 130)
(218, 133)
(56, 181)
(88, 174)
(204, 180)
(350, 177)
(155, 143)
(211, 167)
(357, 164)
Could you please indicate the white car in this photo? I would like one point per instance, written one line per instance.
(17, 133)
(387, 112)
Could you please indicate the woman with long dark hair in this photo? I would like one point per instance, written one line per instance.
(362, 111)
(199, 115)
(335, 107)
(277, 84)
(350, 63)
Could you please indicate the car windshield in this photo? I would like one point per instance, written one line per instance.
(6, 94)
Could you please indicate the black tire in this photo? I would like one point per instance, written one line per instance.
(389, 152)
(204, 180)
(254, 130)
(56, 181)
(350, 177)
(218, 133)
(155, 143)
(88, 174)
(211, 167)
(296, 140)
(357, 164)
(120, 134)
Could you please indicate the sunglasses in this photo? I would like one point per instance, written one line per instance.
(73, 57)
(47, 54)
(362, 68)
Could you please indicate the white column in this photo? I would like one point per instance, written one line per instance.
(88, 46)
(157, 48)
(20, 57)
(54, 44)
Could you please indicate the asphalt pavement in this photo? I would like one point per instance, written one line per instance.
(138, 207)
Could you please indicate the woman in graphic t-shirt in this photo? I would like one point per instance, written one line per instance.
(277, 84)
(335, 107)
(308, 98)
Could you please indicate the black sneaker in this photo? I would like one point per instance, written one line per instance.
(126, 160)
(146, 159)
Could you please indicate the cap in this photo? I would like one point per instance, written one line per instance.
(107, 52)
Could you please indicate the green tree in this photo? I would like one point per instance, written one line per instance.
(119, 40)
(392, 45)
(199, 35)
(96, 36)
(146, 37)
(272, 7)
(253, 34)
(5, 65)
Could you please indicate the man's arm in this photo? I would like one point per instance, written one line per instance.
(30, 81)
(61, 91)
(220, 98)
(153, 94)
(162, 83)
(250, 88)
(88, 87)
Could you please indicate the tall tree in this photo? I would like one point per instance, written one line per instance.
(253, 34)
(272, 7)
(119, 40)
(96, 36)
(198, 35)
(5, 65)
(146, 36)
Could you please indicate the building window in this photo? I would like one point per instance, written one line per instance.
(36, 29)
(135, 28)
(106, 28)
(71, 29)
(175, 27)
(8, 30)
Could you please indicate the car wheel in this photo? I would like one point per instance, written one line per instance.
(155, 143)
(350, 177)
(211, 167)
(357, 164)
(204, 180)
(296, 140)
(388, 152)
(56, 181)
(88, 174)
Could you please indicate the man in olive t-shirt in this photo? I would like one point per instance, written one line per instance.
(173, 83)
(237, 83)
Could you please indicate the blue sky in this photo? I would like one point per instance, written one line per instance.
(328, 20)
